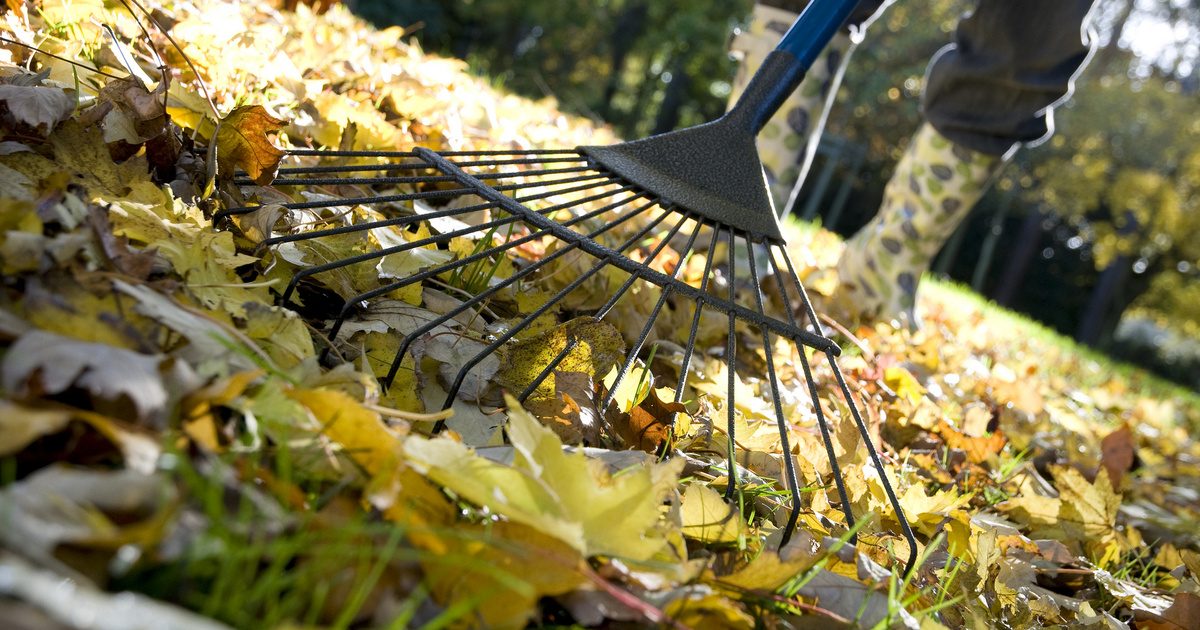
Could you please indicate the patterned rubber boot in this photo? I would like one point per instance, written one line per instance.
(782, 141)
(933, 189)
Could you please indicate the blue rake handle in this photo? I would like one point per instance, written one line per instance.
(784, 68)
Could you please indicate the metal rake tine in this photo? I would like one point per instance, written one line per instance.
(423, 179)
(355, 168)
(662, 299)
(612, 300)
(731, 369)
(878, 463)
(438, 238)
(408, 339)
(905, 528)
(529, 319)
(413, 218)
(690, 347)
(349, 201)
(822, 423)
(789, 466)
(387, 251)
(379, 199)
(455, 264)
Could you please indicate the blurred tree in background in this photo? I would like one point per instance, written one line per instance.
(1099, 223)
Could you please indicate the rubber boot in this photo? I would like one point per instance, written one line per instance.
(782, 141)
(935, 185)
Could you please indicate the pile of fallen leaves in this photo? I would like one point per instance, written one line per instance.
(174, 450)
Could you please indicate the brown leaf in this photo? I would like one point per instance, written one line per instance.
(978, 449)
(648, 425)
(138, 264)
(242, 143)
(147, 109)
(36, 106)
(1184, 614)
(1117, 453)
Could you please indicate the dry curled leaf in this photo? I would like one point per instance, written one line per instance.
(45, 363)
(242, 142)
(39, 107)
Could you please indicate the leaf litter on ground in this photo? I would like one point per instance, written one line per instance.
(163, 414)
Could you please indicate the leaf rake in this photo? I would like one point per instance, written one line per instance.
(703, 186)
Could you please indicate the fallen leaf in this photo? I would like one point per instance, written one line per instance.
(95, 509)
(1183, 614)
(1117, 453)
(648, 425)
(707, 517)
(42, 108)
(20, 425)
(502, 570)
(242, 143)
(562, 494)
(851, 599)
(69, 601)
(44, 362)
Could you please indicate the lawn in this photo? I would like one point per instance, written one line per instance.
(175, 451)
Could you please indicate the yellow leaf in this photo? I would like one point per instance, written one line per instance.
(708, 610)
(242, 143)
(399, 492)
(562, 494)
(501, 570)
(903, 383)
(709, 518)
(20, 425)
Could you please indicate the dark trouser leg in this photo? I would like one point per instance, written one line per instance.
(1012, 60)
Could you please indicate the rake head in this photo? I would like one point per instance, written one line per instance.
(563, 218)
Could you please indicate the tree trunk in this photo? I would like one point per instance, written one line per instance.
(628, 29)
(668, 111)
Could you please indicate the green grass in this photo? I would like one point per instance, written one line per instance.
(1023, 328)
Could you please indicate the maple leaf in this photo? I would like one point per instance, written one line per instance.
(242, 143)
(562, 494)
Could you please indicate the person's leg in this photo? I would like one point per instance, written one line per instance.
(985, 95)
(781, 143)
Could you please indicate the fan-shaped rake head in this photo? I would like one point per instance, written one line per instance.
(555, 213)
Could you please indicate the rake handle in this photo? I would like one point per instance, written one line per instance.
(785, 67)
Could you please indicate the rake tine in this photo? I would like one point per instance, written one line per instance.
(344, 262)
(690, 347)
(662, 299)
(408, 219)
(731, 368)
(612, 300)
(370, 225)
(387, 251)
(422, 179)
(822, 423)
(549, 369)
(529, 319)
(318, 170)
(905, 528)
(349, 201)
(450, 266)
(789, 465)
(878, 463)
(408, 339)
